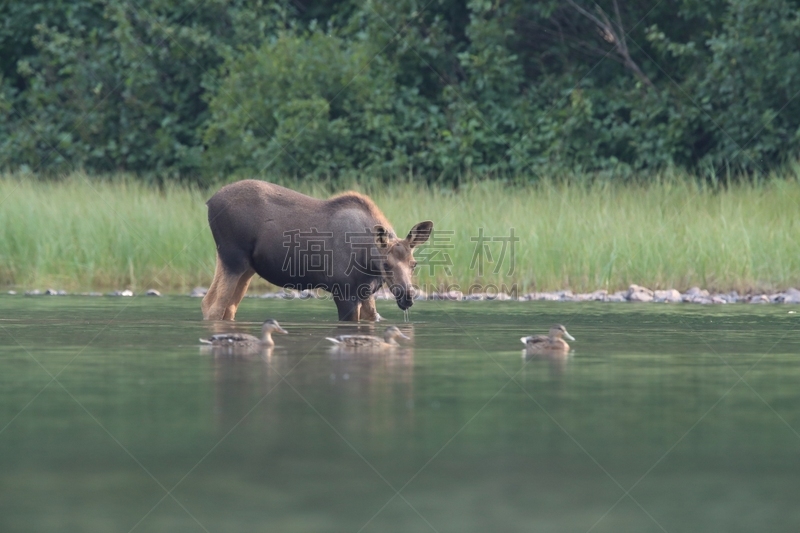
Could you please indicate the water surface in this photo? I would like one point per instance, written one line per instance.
(664, 418)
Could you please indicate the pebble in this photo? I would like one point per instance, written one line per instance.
(731, 297)
(270, 295)
(669, 296)
(598, 296)
(198, 292)
(546, 296)
(791, 296)
(617, 297)
(124, 292)
(449, 295)
(696, 291)
(637, 293)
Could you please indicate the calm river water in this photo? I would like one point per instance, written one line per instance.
(664, 418)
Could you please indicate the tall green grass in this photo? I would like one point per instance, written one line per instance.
(82, 233)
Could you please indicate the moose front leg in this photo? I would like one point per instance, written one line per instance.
(368, 310)
(348, 308)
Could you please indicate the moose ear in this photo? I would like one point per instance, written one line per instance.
(420, 233)
(382, 236)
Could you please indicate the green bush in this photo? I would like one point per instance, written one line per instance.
(301, 104)
(439, 89)
(114, 86)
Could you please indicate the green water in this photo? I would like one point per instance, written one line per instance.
(646, 427)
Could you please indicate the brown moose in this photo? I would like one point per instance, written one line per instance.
(343, 245)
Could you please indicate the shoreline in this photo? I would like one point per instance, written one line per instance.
(634, 294)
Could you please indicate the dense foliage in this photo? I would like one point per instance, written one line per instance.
(431, 88)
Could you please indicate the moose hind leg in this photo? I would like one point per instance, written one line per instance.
(221, 291)
(211, 296)
(236, 298)
(218, 303)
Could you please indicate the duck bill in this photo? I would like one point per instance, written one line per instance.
(281, 330)
(568, 336)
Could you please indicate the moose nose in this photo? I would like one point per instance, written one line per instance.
(405, 303)
(405, 298)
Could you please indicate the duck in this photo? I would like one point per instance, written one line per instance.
(369, 342)
(244, 340)
(550, 343)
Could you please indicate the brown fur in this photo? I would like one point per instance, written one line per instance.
(356, 199)
(253, 223)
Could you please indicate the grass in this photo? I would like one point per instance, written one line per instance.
(88, 234)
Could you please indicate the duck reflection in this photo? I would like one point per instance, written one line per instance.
(557, 361)
(376, 387)
(362, 384)
(245, 368)
(242, 379)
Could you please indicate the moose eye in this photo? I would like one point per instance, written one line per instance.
(386, 266)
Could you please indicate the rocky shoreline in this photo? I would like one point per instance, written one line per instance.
(635, 293)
